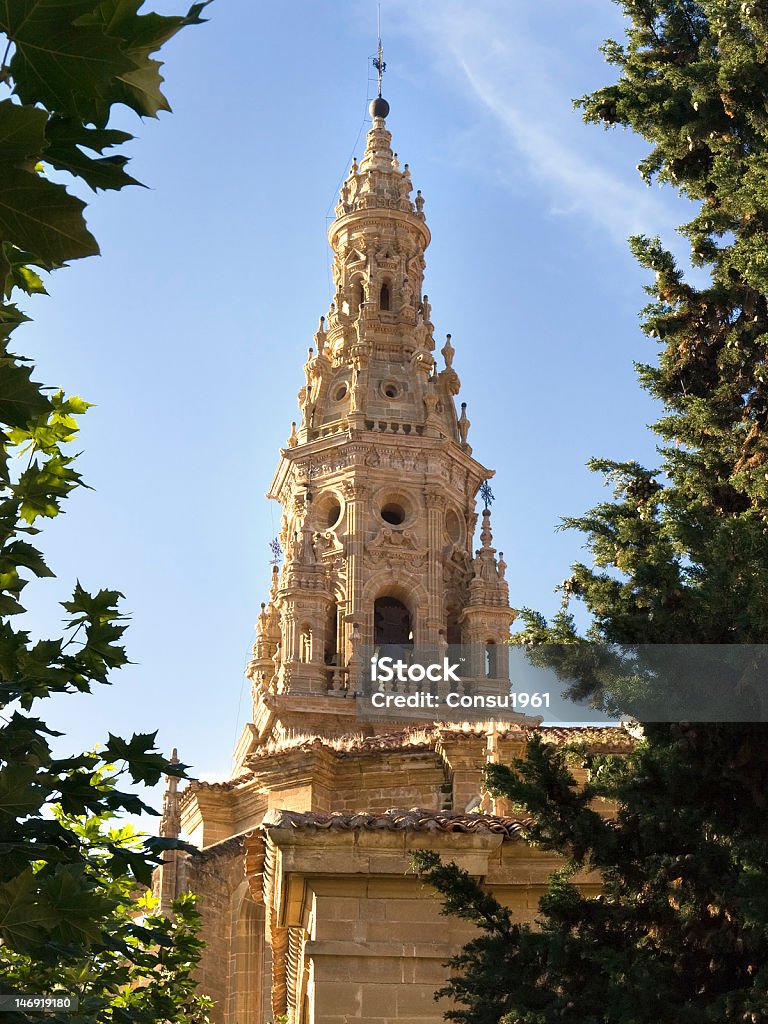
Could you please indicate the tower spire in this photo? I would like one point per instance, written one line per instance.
(380, 546)
(170, 822)
(379, 107)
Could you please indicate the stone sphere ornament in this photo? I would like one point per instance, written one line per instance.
(379, 107)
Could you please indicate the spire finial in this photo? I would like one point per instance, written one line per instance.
(170, 821)
(378, 60)
(379, 107)
(486, 537)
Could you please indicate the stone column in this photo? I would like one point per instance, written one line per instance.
(465, 755)
(355, 495)
(435, 502)
(289, 647)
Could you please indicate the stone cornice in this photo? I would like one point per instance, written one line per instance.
(373, 219)
(350, 448)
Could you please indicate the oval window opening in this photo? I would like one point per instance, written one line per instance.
(393, 513)
(334, 511)
(453, 526)
(340, 393)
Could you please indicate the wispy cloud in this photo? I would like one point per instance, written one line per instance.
(523, 62)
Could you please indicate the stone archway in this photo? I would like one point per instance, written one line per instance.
(391, 622)
(405, 588)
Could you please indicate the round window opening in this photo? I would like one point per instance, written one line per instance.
(393, 513)
(391, 390)
(332, 516)
(340, 393)
(453, 525)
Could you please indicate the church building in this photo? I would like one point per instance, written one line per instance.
(311, 907)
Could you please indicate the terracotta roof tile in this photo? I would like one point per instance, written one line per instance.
(415, 819)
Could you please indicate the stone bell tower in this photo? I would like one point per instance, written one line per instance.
(311, 911)
(377, 481)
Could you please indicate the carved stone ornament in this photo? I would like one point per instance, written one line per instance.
(392, 547)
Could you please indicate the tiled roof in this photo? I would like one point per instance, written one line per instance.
(415, 819)
(598, 738)
(608, 736)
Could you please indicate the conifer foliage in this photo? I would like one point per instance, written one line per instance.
(67, 876)
(680, 556)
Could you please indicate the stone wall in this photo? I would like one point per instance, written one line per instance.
(217, 877)
(365, 940)
(392, 779)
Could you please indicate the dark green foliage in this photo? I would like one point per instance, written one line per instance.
(139, 962)
(680, 556)
(67, 878)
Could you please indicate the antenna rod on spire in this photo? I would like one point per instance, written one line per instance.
(378, 60)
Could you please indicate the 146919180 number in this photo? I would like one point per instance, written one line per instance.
(42, 1004)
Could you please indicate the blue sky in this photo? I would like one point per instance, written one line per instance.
(190, 331)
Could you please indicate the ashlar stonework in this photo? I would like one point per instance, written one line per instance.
(310, 905)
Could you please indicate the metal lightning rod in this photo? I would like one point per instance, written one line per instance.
(378, 61)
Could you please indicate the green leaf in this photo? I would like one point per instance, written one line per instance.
(71, 404)
(10, 606)
(26, 555)
(78, 907)
(103, 173)
(144, 762)
(18, 797)
(141, 32)
(141, 35)
(22, 132)
(40, 204)
(36, 214)
(10, 318)
(70, 132)
(142, 90)
(22, 740)
(27, 280)
(21, 399)
(16, 270)
(70, 69)
(43, 485)
(100, 607)
(23, 917)
(65, 140)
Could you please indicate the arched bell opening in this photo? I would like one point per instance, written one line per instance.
(453, 631)
(493, 660)
(384, 297)
(384, 597)
(392, 625)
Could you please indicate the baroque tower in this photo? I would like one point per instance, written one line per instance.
(310, 907)
(377, 482)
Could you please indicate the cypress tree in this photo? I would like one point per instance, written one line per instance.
(680, 556)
